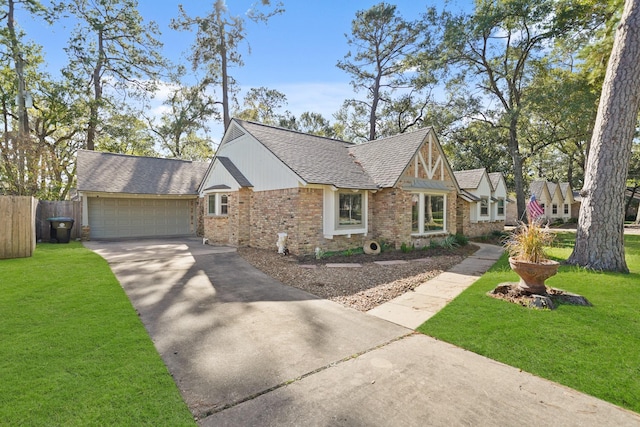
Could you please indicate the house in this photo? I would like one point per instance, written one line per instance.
(482, 201)
(557, 200)
(324, 193)
(129, 196)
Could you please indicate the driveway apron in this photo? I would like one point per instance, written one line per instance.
(226, 331)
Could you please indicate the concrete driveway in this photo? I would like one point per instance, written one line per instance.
(245, 349)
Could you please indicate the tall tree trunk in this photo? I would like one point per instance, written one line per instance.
(373, 115)
(600, 235)
(225, 78)
(22, 136)
(516, 158)
(97, 94)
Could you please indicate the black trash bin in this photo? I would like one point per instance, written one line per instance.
(60, 229)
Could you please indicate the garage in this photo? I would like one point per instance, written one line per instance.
(140, 217)
(132, 196)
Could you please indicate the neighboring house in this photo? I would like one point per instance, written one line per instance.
(325, 193)
(557, 200)
(128, 196)
(482, 201)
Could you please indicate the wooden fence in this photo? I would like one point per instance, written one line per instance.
(17, 226)
(48, 209)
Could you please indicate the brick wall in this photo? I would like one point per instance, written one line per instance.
(273, 212)
(474, 229)
(200, 216)
(391, 216)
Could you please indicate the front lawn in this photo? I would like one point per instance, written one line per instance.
(592, 349)
(74, 351)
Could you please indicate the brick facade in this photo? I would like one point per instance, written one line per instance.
(256, 218)
(474, 229)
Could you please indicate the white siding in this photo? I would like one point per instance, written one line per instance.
(264, 170)
(220, 176)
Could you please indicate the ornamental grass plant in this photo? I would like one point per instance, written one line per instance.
(527, 242)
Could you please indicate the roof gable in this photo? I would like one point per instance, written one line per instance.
(540, 190)
(121, 173)
(470, 179)
(387, 160)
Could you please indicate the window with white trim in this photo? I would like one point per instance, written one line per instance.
(428, 213)
(349, 210)
(554, 209)
(484, 206)
(217, 204)
(566, 209)
(500, 207)
(344, 212)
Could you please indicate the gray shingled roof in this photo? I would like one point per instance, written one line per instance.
(315, 159)
(120, 173)
(565, 189)
(469, 179)
(386, 159)
(235, 172)
(537, 187)
(495, 177)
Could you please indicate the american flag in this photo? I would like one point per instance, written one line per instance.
(534, 209)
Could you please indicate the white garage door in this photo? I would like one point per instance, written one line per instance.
(113, 218)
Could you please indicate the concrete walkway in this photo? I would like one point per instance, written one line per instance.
(412, 309)
(247, 350)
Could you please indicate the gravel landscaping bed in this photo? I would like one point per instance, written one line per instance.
(361, 288)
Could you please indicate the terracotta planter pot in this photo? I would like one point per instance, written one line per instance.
(532, 275)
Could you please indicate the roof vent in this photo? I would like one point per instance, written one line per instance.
(234, 133)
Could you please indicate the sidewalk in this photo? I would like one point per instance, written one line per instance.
(412, 309)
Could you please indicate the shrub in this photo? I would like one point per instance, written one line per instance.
(449, 242)
(461, 239)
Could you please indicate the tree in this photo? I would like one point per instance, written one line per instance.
(315, 124)
(261, 105)
(125, 133)
(111, 45)
(188, 110)
(17, 136)
(216, 48)
(600, 235)
(495, 50)
(383, 41)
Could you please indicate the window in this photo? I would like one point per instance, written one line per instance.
(544, 209)
(428, 213)
(500, 207)
(554, 209)
(344, 212)
(350, 209)
(224, 204)
(218, 204)
(484, 207)
(212, 204)
(566, 209)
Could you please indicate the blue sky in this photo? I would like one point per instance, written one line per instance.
(295, 53)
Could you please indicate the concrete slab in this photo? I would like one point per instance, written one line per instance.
(455, 278)
(441, 289)
(392, 262)
(227, 331)
(418, 381)
(402, 315)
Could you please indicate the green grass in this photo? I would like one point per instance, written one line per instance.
(73, 350)
(592, 349)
